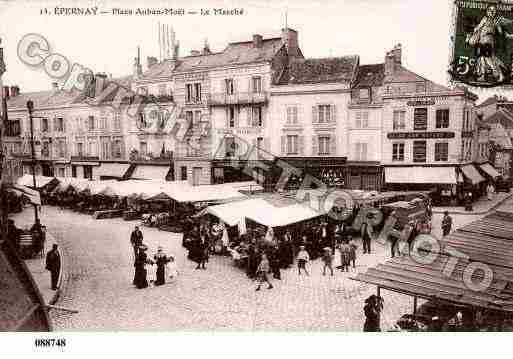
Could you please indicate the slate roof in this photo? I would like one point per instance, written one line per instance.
(370, 76)
(489, 101)
(504, 117)
(333, 69)
(235, 53)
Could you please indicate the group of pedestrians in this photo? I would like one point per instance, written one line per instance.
(165, 264)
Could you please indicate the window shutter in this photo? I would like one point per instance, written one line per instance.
(283, 145)
(314, 114)
(262, 115)
(301, 145)
(64, 124)
(227, 124)
(315, 145)
(248, 115)
(237, 116)
(55, 124)
(333, 113)
(333, 145)
(254, 150)
(266, 144)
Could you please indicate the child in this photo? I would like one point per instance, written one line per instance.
(263, 269)
(327, 259)
(302, 258)
(172, 268)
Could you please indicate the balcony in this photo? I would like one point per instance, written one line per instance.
(84, 158)
(150, 158)
(238, 98)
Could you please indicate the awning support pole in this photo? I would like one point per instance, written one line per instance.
(414, 305)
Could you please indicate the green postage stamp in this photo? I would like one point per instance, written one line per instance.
(482, 43)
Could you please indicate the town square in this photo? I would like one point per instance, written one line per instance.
(249, 168)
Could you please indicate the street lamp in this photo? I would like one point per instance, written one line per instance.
(30, 108)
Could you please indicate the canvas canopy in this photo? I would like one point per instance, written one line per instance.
(235, 212)
(417, 174)
(41, 181)
(283, 216)
(32, 195)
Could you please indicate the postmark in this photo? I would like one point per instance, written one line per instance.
(482, 43)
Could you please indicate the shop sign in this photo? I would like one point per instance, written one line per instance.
(425, 101)
(418, 135)
(240, 131)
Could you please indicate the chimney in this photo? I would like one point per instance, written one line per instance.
(393, 60)
(176, 50)
(206, 48)
(137, 64)
(195, 53)
(289, 38)
(151, 60)
(257, 41)
(6, 92)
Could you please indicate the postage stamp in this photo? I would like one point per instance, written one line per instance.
(482, 43)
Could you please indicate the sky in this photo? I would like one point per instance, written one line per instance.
(108, 43)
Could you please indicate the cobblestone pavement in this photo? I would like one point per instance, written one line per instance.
(100, 272)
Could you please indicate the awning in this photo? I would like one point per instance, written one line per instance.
(442, 175)
(203, 193)
(150, 172)
(488, 168)
(111, 170)
(284, 216)
(32, 195)
(235, 212)
(41, 181)
(85, 163)
(472, 174)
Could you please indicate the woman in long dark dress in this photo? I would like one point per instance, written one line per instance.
(141, 260)
(161, 259)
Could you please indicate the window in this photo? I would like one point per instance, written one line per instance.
(292, 144)
(324, 113)
(105, 149)
(442, 118)
(231, 117)
(197, 117)
(398, 120)
(59, 124)
(80, 149)
(362, 119)
(117, 120)
(162, 90)
(45, 151)
(188, 93)
(324, 145)
(398, 151)
(230, 147)
(116, 149)
(13, 128)
(228, 85)
(103, 123)
(420, 119)
(92, 150)
(292, 115)
(61, 172)
(189, 118)
(74, 171)
(364, 94)
(420, 87)
(197, 92)
(61, 147)
(419, 151)
(183, 173)
(90, 123)
(143, 148)
(441, 151)
(256, 118)
(360, 151)
(259, 146)
(256, 83)
(44, 125)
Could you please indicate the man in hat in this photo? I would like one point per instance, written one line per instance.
(53, 264)
(446, 224)
(136, 239)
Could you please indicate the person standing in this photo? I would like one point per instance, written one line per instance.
(263, 269)
(366, 237)
(161, 260)
(490, 191)
(140, 279)
(327, 259)
(302, 259)
(352, 251)
(345, 252)
(446, 224)
(53, 264)
(274, 262)
(372, 309)
(136, 240)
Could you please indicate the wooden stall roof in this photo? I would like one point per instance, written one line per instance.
(429, 281)
(497, 224)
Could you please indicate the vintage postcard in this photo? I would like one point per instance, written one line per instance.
(254, 167)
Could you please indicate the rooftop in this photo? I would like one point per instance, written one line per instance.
(332, 69)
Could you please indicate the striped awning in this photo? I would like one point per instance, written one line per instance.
(488, 168)
(472, 174)
(111, 170)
